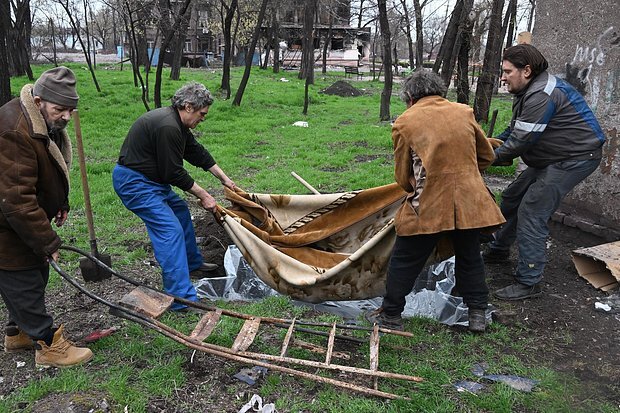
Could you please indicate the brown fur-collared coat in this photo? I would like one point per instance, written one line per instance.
(34, 184)
(453, 150)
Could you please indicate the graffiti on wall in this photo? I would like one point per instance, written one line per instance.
(585, 70)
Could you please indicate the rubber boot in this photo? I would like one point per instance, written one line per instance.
(61, 353)
(16, 340)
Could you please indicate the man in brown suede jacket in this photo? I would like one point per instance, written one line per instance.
(439, 151)
(35, 157)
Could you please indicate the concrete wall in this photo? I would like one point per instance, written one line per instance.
(581, 41)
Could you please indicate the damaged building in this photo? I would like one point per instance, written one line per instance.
(347, 46)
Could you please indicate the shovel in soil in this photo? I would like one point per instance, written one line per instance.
(90, 270)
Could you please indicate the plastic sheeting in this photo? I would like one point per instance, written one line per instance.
(430, 297)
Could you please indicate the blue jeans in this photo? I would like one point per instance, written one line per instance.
(527, 205)
(169, 225)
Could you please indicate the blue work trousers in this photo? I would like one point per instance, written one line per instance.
(169, 225)
(527, 205)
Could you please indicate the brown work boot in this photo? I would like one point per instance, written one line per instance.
(62, 352)
(16, 340)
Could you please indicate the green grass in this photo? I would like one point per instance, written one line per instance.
(345, 147)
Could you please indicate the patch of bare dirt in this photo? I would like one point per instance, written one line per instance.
(570, 335)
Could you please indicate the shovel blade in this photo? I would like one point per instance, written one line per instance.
(93, 272)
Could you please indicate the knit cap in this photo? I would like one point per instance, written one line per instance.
(57, 86)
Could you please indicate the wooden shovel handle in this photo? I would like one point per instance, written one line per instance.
(85, 189)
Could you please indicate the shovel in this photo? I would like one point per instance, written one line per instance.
(90, 270)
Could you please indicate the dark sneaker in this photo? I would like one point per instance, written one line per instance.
(495, 256)
(477, 320)
(518, 291)
(385, 321)
(203, 270)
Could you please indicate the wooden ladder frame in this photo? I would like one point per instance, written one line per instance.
(145, 305)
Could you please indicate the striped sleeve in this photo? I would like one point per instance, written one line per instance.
(529, 125)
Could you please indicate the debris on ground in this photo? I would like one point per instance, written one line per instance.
(256, 405)
(251, 375)
(609, 304)
(301, 124)
(516, 382)
(468, 386)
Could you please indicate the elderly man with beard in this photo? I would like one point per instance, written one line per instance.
(35, 157)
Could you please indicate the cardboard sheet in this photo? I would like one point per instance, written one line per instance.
(599, 265)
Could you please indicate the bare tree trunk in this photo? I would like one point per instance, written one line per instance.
(249, 55)
(230, 13)
(162, 52)
(268, 46)
(386, 94)
(89, 47)
(450, 60)
(530, 19)
(131, 31)
(307, 44)
(513, 21)
(408, 33)
(419, 35)
(54, 49)
(328, 39)
(462, 84)
(5, 77)
(486, 81)
(18, 39)
(276, 30)
(178, 44)
(449, 38)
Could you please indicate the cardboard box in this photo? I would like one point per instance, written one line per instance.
(599, 265)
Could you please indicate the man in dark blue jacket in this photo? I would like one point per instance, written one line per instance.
(149, 164)
(558, 137)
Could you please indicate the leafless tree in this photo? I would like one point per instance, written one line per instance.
(250, 54)
(169, 29)
(386, 94)
(18, 38)
(227, 12)
(489, 73)
(307, 43)
(128, 15)
(72, 11)
(328, 35)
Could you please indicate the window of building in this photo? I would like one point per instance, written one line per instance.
(188, 46)
(337, 44)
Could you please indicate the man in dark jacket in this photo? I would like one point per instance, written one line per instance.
(35, 156)
(559, 139)
(149, 164)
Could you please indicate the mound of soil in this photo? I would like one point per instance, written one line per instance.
(342, 89)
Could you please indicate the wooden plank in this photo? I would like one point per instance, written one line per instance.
(246, 334)
(206, 325)
(374, 353)
(287, 338)
(146, 301)
(330, 344)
